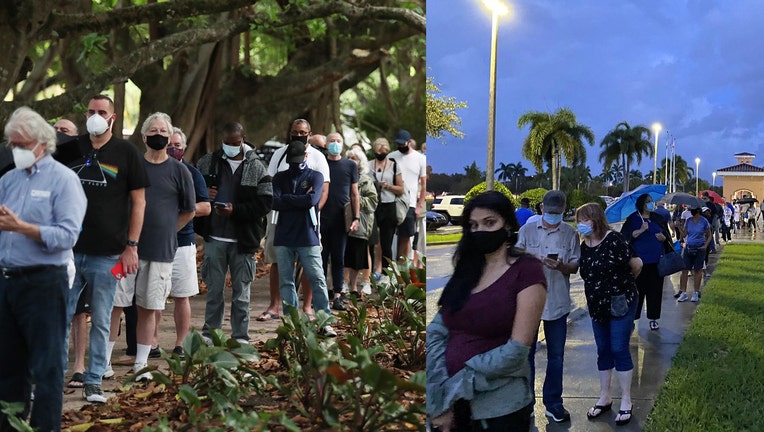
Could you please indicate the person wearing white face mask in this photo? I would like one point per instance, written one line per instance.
(42, 207)
(114, 179)
(556, 244)
(344, 190)
(242, 194)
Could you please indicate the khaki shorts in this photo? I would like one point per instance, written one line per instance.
(184, 280)
(150, 285)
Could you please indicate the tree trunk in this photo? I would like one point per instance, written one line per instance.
(554, 166)
(626, 174)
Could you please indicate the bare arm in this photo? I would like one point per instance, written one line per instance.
(530, 304)
(129, 256)
(203, 208)
(184, 218)
(324, 196)
(355, 204)
(422, 194)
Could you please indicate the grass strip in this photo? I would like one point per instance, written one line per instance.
(716, 381)
(433, 238)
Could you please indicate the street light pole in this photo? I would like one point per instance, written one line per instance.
(697, 175)
(713, 181)
(497, 8)
(657, 128)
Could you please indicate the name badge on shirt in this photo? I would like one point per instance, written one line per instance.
(40, 193)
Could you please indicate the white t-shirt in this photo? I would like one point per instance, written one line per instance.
(412, 166)
(316, 161)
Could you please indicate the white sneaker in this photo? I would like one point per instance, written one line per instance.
(207, 340)
(694, 297)
(109, 372)
(146, 376)
(242, 341)
(366, 288)
(345, 287)
(682, 297)
(327, 331)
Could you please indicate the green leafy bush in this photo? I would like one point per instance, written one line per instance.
(498, 187)
(534, 195)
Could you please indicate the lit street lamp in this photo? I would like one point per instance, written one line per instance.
(657, 128)
(697, 175)
(713, 177)
(497, 8)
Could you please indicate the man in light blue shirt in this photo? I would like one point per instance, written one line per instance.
(42, 206)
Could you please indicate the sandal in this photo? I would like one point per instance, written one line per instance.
(654, 325)
(77, 381)
(622, 413)
(310, 316)
(267, 316)
(597, 410)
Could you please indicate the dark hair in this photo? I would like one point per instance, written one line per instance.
(233, 128)
(641, 202)
(104, 97)
(468, 266)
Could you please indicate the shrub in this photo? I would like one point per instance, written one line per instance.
(579, 197)
(498, 187)
(534, 195)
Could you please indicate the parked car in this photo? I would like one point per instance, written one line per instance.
(450, 206)
(435, 220)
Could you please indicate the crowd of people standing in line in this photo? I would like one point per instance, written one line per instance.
(512, 270)
(88, 224)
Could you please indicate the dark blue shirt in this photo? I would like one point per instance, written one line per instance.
(294, 194)
(186, 234)
(522, 214)
(647, 247)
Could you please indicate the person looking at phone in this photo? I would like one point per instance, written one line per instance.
(556, 244)
(236, 177)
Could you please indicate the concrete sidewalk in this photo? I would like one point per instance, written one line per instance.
(652, 353)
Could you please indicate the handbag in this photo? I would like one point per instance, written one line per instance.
(670, 263)
(401, 201)
(618, 305)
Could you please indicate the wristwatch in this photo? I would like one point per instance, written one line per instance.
(356, 218)
(132, 243)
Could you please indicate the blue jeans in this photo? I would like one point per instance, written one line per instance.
(95, 271)
(219, 257)
(333, 239)
(612, 340)
(556, 332)
(310, 257)
(32, 328)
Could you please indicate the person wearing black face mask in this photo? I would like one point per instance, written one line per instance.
(495, 289)
(389, 182)
(413, 168)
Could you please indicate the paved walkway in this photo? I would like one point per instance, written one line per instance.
(652, 353)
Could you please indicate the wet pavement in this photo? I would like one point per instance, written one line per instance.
(652, 351)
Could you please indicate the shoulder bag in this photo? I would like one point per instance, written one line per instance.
(402, 200)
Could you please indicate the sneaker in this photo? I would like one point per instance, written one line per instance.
(93, 393)
(179, 351)
(677, 294)
(242, 341)
(345, 287)
(109, 372)
(682, 297)
(654, 325)
(558, 414)
(207, 340)
(327, 331)
(155, 353)
(366, 288)
(695, 297)
(146, 376)
(377, 276)
(337, 304)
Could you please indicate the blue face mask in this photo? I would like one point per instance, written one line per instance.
(584, 229)
(335, 148)
(231, 151)
(552, 218)
(650, 206)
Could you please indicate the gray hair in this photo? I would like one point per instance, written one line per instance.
(363, 163)
(379, 143)
(176, 130)
(157, 116)
(31, 126)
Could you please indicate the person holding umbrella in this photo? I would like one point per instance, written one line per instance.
(648, 233)
(697, 232)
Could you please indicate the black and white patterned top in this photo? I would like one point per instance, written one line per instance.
(606, 272)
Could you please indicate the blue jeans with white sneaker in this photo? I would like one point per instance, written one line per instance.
(555, 333)
(310, 257)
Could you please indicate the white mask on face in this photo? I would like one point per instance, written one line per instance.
(97, 125)
(24, 158)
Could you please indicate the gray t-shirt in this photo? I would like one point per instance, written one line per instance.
(171, 192)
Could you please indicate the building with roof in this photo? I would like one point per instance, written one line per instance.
(743, 179)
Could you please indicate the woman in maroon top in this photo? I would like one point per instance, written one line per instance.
(477, 345)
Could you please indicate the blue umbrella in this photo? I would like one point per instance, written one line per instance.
(627, 203)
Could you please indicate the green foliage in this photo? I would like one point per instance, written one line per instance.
(714, 383)
(441, 113)
(578, 197)
(626, 144)
(13, 412)
(534, 195)
(498, 187)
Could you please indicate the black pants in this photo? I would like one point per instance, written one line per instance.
(519, 421)
(650, 286)
(387, 224)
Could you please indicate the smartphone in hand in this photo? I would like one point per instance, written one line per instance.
(552, 256)
(118, 271)
(219, 204)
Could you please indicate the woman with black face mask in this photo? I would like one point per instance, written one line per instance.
(389, 183)
(478, 372)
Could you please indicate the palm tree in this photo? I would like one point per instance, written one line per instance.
(683, 171)
(504, 172)
(553, 136)
(627, 144)
(517, 170)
